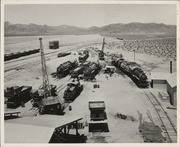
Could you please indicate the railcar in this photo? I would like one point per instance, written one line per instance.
(133, 70)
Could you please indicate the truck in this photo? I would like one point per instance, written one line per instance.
(97, 110)
(98, 117)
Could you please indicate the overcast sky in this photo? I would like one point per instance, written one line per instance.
(90, 15)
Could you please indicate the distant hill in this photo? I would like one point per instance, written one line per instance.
(119, 28)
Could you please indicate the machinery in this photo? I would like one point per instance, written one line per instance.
(17, 96)
(73, 89)
(98, 117)
(76, 72)
(133, 70)
(91, 71)
(49, 102)
(62, 54)
(83, 57)
(64, 68)
(79, 70)
(109, 69)
(101, 52)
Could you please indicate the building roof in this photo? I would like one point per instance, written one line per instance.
(21, 133)
(37, 129)
(170, 78)
(54, 121)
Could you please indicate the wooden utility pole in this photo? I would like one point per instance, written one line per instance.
(134, 55)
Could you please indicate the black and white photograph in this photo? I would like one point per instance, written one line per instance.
(89, 73)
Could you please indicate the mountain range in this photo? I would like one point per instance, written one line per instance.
(118, 28)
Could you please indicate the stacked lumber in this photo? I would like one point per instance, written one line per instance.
(151, 132)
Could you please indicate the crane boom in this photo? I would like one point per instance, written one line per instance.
(46, 86)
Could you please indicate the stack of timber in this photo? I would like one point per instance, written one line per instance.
(151, 132)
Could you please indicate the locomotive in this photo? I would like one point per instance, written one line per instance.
(91, 71)
(64, 69)
(101, 55)
(133, 70)
(79, 70)
(75, 73)
(83, 57)
(73, 89)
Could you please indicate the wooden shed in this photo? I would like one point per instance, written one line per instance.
(166, 82)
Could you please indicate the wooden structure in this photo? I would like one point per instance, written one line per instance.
(150, 131)
(163, 95)
(166, 82)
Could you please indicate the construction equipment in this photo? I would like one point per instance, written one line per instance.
(97, 109)
(101, 52)
(17, 96)
(47, 93)
(98, 117)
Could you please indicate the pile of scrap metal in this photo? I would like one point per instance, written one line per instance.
(122, 116)
(150, 131)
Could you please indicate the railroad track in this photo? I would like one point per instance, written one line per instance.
(167, 125)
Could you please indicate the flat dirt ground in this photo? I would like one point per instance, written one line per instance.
(118, 91)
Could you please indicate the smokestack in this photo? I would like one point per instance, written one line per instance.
(170, 67)
(103, 44)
